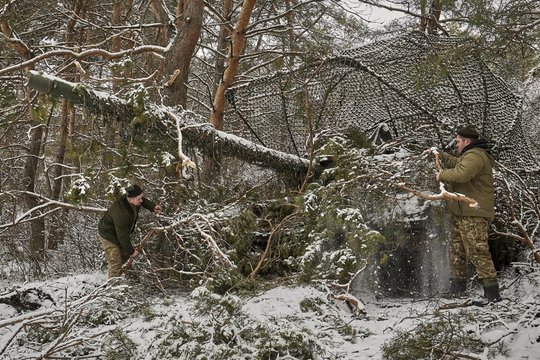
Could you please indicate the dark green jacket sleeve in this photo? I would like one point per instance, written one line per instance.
(448, 160)
(464, 170)
(118, 223)
(148, 204)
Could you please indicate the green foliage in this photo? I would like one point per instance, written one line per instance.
(137, 98)
(104, 315)
(448, 334)
(239, 232)
(295, 344)
(340, 240)
(312, 305)
(228, 278)
(79, 190)
(7, 95)
(40, 110)
(209, 302)
(119, 346)
(173, 339)
(41, 335)
(146, 312)
(356, 139)
(222, 331)
(432, 72)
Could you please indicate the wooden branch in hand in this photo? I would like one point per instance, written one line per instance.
(443, 195)
(438, 164)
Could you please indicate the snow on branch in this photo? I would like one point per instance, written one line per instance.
(199, 222)
(157, 50)
(47, 205)
(61, 317)
(443, 195)
(200, 134)
(185, 159)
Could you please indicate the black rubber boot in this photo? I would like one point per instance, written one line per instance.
(491, 293)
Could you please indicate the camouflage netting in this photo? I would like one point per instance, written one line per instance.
(410, 85)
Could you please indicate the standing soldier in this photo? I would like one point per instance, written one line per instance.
(471, 174)
(117, 225)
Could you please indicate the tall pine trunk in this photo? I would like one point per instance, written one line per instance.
(189, 16)
(36, 243)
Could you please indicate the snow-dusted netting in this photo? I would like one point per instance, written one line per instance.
(413, 85)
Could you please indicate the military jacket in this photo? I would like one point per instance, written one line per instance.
(118, 223)
(470, 174)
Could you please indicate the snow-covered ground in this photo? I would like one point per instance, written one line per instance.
(80, 317)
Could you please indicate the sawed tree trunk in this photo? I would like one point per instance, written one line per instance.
(201, 135)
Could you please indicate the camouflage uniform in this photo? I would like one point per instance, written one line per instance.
(470, 243)
(471, 174)
(114, 257)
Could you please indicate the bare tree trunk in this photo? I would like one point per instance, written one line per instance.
(116, 42)
(162, 16)
(189, 16)
(212, 166)
(224, 33)
(429, 22)
(37, 236)
(128, 39)
(238, 44)
(57, 228)
(433, 23)
(162, 33)
(290, 31)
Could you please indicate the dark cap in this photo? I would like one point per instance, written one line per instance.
(133, 190)
(468, 132)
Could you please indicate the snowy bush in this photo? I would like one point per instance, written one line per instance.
(447, 335)
(340, 240)
(79, 189)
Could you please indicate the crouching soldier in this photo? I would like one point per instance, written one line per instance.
(117, 225)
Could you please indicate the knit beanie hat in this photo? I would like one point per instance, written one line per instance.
(468, 132)
(133, 190)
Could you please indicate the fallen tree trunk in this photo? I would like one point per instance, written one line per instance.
(201, 135)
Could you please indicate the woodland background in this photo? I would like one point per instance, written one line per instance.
(229, 225)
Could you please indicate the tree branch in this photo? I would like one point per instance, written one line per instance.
(201, 135)
(443, 195)
(83, 55)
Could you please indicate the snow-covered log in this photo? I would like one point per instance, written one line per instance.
(201, 135)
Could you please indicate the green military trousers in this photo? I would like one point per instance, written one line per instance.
(470, 243)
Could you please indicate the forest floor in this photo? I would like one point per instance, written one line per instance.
(79, 316)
